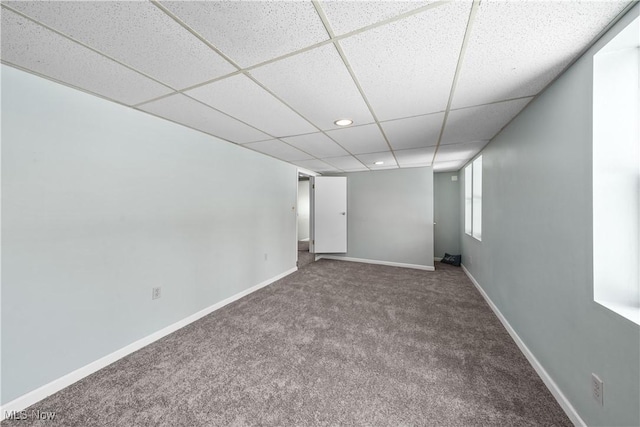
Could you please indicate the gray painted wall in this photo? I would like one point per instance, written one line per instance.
(446, 207)
(535, 258)
(100, 203)
(390, 216)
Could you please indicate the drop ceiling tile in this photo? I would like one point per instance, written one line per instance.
(406, 68)
(346, 163)
(42, 51)
(321, 76)
(316, 166)
(360, 139)
(516, 50)
(414, 132)
(451, 166)
(242, 98)
(317, 144)
(451, 152)
(415, 156)
(279, 150)
(480, 123)
(136, 33)
(347, 16)
(385, 156)
(189, 112)
(252, 32)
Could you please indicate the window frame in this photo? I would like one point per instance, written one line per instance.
(473, 199)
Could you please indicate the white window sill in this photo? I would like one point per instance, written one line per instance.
(627, 311)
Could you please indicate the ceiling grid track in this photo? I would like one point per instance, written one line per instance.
(463, 49)
(457, 86)
(327, 26)
(240, 70)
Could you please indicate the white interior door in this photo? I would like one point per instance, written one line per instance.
(329, 214)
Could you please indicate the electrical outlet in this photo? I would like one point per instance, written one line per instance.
(155, 293)
(597, 389)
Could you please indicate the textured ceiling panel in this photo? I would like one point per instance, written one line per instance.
(415, 156)
(318, 85)
(316, 165)
(480, 123)
(360, 139)
(242, 98)
(406, 68)
(347, 16)
(517, 48)
(185, 110)
(414, 132)
(346, 163)
(447, 153)
(279, 149)
(252, 32)
(135, 33)
(386, 157)
(33, 47)
(317, 144)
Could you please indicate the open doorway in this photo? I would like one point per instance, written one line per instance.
(304, 210)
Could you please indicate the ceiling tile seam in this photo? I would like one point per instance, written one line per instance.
(229, 115)
(255, 80)
(273, 157)
(336, 44)
(52, 79)
(173, 91)
(626, 9)
(463, 49)
(188, 126)
(333, 38)
(195, 34)
(86, 46)
(189, 88)
(129, 106)
(589, 45)
(240, 70)
(494, 102)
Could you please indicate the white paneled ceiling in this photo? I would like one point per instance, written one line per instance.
(275, 75)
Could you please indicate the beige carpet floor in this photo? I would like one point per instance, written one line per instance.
(336, 343)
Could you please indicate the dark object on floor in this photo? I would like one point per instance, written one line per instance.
(451, 259)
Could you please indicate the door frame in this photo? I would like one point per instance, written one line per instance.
(309, 173)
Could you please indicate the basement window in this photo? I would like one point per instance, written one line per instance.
(473, 199)
(616, 174)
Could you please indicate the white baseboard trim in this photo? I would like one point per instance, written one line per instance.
(437, 259)
(54, 386)
(372, 261)
(304, 240)
(546, 378)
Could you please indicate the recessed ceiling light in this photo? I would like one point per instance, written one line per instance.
(344, 122)
(379, 163)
